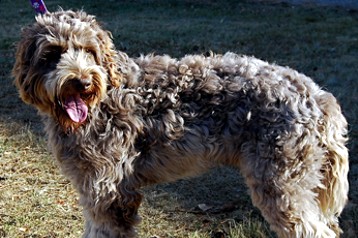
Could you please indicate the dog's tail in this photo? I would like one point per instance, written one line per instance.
(333, 129)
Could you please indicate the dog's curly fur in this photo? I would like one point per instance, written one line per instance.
(116, 124)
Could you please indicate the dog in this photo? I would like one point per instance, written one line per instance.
(116, 124)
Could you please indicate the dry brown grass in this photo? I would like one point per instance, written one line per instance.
(37, 201)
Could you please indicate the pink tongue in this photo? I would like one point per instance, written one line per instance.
(76, 108)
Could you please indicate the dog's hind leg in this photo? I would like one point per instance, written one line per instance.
(284, 185)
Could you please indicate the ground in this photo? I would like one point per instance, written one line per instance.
(37, 201)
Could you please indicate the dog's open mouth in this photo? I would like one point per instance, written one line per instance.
(76, 108)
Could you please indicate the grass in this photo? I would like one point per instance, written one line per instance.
(37, 201)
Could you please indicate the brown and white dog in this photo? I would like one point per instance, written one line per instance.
(116, 124)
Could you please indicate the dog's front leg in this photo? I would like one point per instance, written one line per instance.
(116, 220)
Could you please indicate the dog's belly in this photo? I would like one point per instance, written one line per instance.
(195, 151)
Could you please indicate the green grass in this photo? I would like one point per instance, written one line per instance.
(37, 201)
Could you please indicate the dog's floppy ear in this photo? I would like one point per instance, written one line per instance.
(110, 58)
(21, 71)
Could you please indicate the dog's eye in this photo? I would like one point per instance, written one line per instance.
(50, 58)
(90, 51)
(53, 54)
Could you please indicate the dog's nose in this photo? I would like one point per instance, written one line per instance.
(82, 84)
(86, 83)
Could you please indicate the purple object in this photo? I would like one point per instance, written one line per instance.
(39, 6)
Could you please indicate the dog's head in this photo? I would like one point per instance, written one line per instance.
(64, 63)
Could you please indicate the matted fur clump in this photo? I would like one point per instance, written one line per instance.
(116, 124)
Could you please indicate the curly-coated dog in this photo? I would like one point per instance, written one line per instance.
(116, 124)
